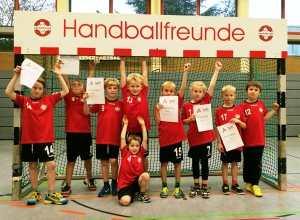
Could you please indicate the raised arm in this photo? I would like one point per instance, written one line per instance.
(186, 67)
(144, 71)
(123, 133)
(144, 131)
(122, 72)
(92, 65)
(9, 91)
(272, 112)
(86, 110)
(214, 78)
(63, 85)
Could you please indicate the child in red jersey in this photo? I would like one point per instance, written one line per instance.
(37, 136)
(200, 142)
(256, 114)
(228, 112)
(109, 128)
(170, 142)
(132, 177)
(78, 133)
(135, 103)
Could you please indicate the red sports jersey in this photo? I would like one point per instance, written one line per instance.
(195, 137)
(171, 132)
(109, 125)
(37, 118)
(224, 115)
(131, 167)
(134, 106)
(76, 121)
(254, 134)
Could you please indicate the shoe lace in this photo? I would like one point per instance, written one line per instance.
(57, 195)
(165, 190)
(176, 191)
(33, 195)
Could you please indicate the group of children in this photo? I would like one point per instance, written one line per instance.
(123, 126)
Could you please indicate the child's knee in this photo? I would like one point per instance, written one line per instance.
(145, 176)
(125, 200)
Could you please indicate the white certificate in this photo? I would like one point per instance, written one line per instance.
(95, 89)
(230, 136)
(30, 72)
(203, 117)
(169, 112)
(70, 65)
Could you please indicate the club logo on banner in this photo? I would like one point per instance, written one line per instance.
(265, 33)
(42, 27)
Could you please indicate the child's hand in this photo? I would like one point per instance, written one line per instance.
(125, 120)
(221, 148)
(159, 106)
(122, 58)
(186, 66)
(193, 117)
(85, 96)
(141, 120)
(92, 64)
(235, 121)
(275, 106)
(218, 65)
(56, 68)
(17, 70)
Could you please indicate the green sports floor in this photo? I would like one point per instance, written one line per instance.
(84, 204)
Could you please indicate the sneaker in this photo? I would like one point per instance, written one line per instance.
(66, 191)
(164, 192)
(195, 191)
(225, 189)
(177, 193)
(205, 192)
(143, 197)
(55, 198)
(256, 191)
(33, 198)
(91, 183)
(114, 189)
(105, 191)
(236, 188)
(248, 187)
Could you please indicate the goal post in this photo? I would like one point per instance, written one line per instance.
(241, 44)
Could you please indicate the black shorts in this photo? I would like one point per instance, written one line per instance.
(201, 151)
(130, 190)
(231, 156)
(106, 151)
(172, 153)
(37, 152)
(79, 144)
(140, 134)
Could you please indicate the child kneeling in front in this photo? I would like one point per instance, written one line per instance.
(132, 177)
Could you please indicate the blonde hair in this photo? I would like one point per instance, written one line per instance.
(228, 88)
(198, 83)
(254, 84)
(42, 81)
(134, 77)
(111, 82)
(168, 84)
(133, 137)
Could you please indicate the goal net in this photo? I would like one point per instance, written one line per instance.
(235, 71)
